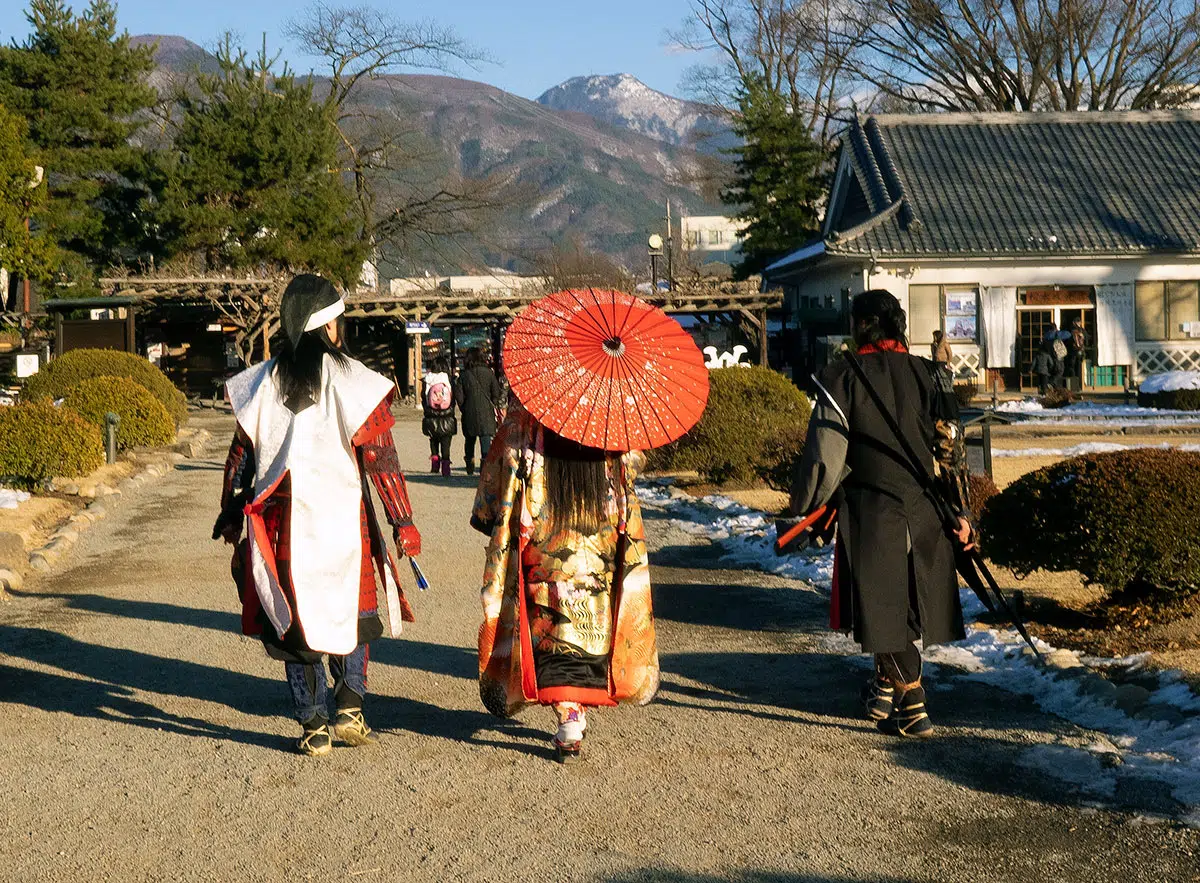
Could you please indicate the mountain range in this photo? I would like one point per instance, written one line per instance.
(596, 157)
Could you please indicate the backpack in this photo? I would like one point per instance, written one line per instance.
(439, 396)
(1060, 349)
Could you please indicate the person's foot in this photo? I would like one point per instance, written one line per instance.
(446, 468)
(909, 718)
(434, 465)
(879, 696)
(315, 740)
(568, 741)
(351, 727)
(470, 467)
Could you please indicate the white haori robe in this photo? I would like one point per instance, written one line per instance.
(315, 448)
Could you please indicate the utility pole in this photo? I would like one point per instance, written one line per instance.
(670, 250)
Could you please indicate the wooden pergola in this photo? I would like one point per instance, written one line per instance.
(252, 305)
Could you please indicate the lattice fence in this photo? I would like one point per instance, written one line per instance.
(1157, 360)
(966, 363)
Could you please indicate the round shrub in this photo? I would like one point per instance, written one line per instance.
(754, 427)
(69, 369)
(1125, 520)
(144, 420)
(1171, 399)
(39, 441)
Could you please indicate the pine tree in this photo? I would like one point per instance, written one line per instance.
(256, 183)
(83, 90)
(22, 197)
(778, 180)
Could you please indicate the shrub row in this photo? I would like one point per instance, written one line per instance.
(754, 427)
(57, 378)
(1124, 520)
(144, 419)
(1171, 399)
(39, 441)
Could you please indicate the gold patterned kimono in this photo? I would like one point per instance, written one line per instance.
(557, 591)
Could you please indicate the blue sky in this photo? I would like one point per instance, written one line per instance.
(536, 43)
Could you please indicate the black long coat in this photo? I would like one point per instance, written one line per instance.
(477, 393)
(897, 578)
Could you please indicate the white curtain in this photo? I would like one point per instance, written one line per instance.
(1114, 324)
(999, 314)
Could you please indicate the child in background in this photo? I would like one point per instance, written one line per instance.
(439, 423)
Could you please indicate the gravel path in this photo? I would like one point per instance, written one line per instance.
(146, 740)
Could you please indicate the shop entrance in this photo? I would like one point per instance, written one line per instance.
(1032, 324)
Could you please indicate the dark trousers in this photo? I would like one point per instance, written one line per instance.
(310, 690)
(439, 446)
(899, 668)
(485, 442)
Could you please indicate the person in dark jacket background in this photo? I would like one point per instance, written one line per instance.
(439, 423)
(477, 393)
(895, 579)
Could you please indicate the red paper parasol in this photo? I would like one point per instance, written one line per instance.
(606, 369)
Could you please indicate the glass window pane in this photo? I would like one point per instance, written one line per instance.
(1183, 305)
(1149, 312)
(924, 312)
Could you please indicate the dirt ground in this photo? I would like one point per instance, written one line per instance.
(145, 740)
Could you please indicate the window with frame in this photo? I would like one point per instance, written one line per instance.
(952, 309)
(1163, 310)
(714, 237)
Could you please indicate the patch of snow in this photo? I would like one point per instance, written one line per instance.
(1088, 448)
(11, 499)
(1163, 745)
(1170, 381)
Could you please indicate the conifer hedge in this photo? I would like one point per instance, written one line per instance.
(144, 420)
(40, 441)
(754, 427)
(1124, 520)
(68, 370)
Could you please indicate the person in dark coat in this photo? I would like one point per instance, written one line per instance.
(895, 580)
(1043, 367)
(477, 393)
(439, 422)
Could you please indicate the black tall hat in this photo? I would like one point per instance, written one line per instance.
(308, 302)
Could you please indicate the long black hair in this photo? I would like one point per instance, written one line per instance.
(298, 368)
(577, 485)
(878, 316)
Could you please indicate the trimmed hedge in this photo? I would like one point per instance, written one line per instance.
(39, 441)
(1126, 519)
(70, 369)
(1171, 399)
(754, 427)
(981, 488)
(144, 420)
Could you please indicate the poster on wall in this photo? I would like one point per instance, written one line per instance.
(961, 316)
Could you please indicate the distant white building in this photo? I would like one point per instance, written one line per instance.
(491, 283)
(709, 238)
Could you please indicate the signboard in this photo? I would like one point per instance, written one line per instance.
(416, 327)
(1054, 297)
(27, 364)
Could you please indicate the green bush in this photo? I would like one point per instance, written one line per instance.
(144, 420)
(39, 441)
(1125, 520)
(69, 369)
(1172, 399)
(754, 427)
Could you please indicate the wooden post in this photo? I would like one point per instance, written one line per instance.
(58, 332)
(130, 332)
(762, 337)
(266, 338)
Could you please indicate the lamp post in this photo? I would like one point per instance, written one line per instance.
(655, 243)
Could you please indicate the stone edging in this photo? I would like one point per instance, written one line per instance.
(151, 465)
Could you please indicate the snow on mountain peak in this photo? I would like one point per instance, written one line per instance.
(624, 100)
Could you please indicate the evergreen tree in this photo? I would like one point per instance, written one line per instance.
(257, 183)
(83, 90)
(22, 197)
(778, 178)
